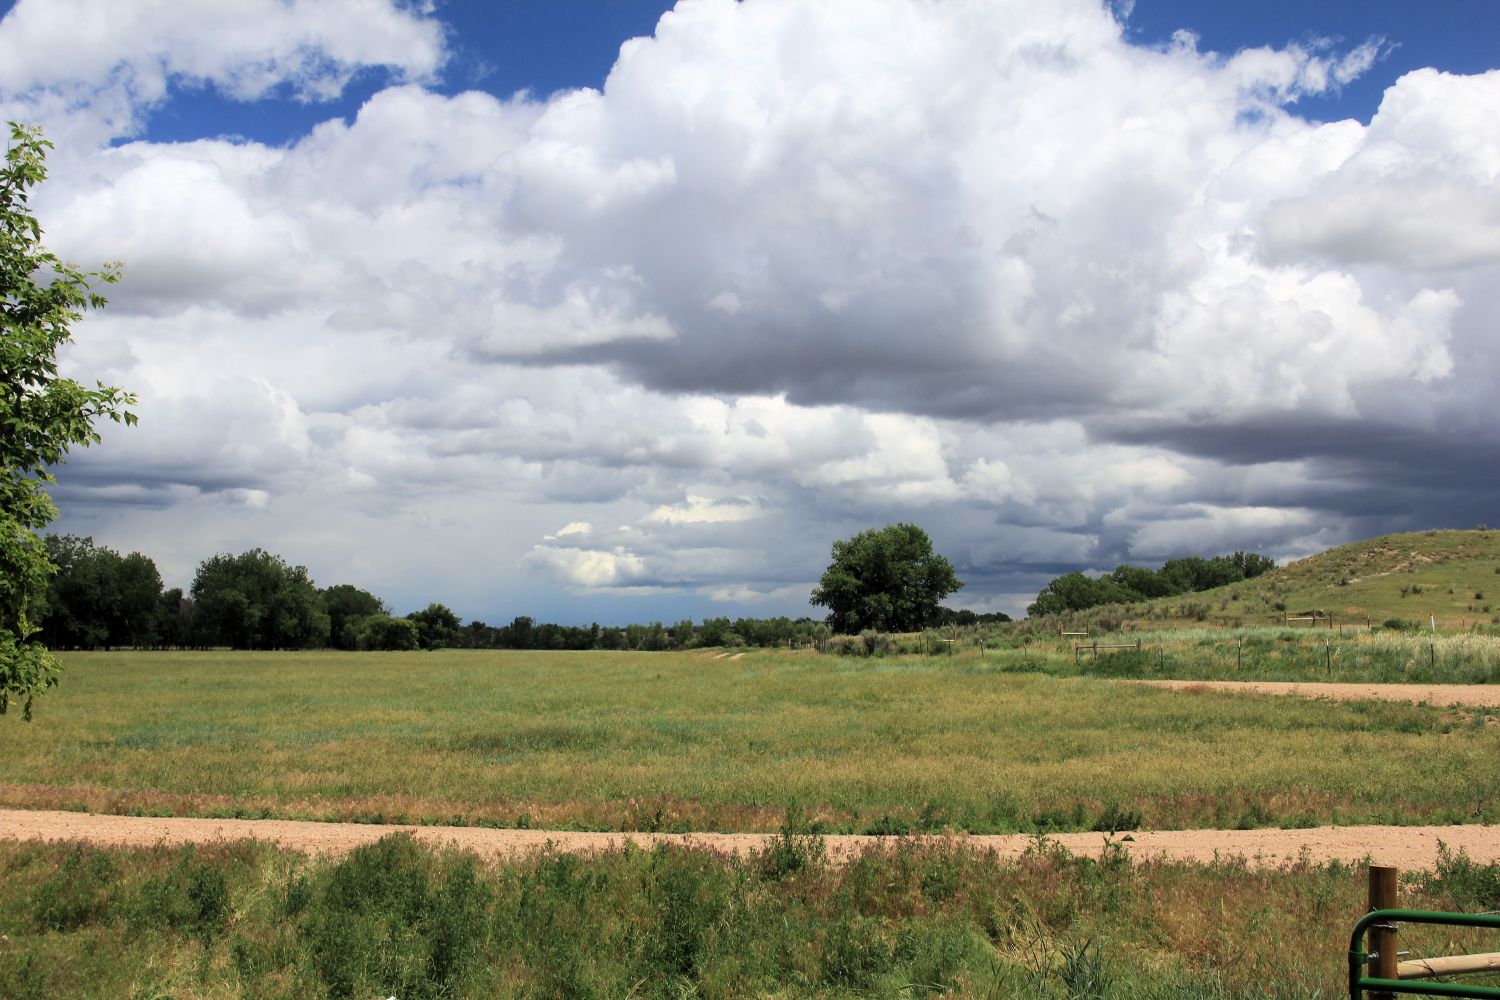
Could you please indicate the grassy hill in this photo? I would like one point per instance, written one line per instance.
(1453, 575)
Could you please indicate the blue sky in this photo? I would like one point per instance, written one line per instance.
(413, 298)
(548, 45)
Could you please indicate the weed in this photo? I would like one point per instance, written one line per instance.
(192, 896)
(1116, 818)
(793, 850)
(1464, 884)
(78, 893)
(1082, 970)
(888, 826)
(388, 920)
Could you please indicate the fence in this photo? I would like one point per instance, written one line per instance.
(1094, 647)
(1378, 968)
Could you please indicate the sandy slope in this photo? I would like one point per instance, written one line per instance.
(1465, 695)
(1406, 847)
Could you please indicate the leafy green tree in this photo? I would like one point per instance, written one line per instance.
(1145, 582)
(174, 619)
(1253, 564)
(346, 603)
(437, 626)
(42, 415)
(715, 632)
(888, 579)
(137, 599)
(1075, 592)
(381, 632)
(256, 601)
(79, 593)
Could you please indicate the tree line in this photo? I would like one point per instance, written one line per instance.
(1127, 584)
(100, 599)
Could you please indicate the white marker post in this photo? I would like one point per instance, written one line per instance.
(1433, 619)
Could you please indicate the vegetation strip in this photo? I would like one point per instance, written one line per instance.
(1408, 847)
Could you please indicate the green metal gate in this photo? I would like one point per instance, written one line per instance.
(1359, 957)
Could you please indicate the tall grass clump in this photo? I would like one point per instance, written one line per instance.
(903, 919)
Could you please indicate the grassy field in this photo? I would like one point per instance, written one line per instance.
(1453, 576)
(1279, 653)
(684, 741)
(901, 921)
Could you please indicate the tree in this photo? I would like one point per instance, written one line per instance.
(382, 632)
(174, 619)
(1075, 592)
(887, 579)
(346, 603)
(256, 601)
(42, 415)
(437, 626)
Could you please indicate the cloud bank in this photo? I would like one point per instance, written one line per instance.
(796, 270)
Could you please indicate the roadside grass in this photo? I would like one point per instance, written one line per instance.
(1263, 653)
(684, 741)
(903, 920)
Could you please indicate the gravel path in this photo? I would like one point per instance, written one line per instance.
(1406, 847)
(1465, 695)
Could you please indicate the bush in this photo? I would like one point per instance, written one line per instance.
(390, 919)
(77, 894)
(1464, 884)
(192, 896)
(796, 848)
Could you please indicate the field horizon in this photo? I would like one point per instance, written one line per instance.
(685, 741)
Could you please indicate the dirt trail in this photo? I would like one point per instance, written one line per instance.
(1407, 847)
(1466, 695)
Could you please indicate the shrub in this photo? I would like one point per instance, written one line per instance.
(795, 849)
(688, 895)
(389, 920)
(1464, 884)
(192, 896)
(77, 894)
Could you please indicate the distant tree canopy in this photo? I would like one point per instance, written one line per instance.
(256, 601)
(436, 626)
(346, 604)
(99, 598)
(1077, 592)
(887, 579)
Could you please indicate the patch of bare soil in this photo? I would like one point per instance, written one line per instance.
(1407, 847)
(1465, 695)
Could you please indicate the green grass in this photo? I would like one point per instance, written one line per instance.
(1262, 653)
(684, 741)
(904, 920)
(1453, 576)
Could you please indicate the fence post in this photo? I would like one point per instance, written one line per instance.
(1382, 936)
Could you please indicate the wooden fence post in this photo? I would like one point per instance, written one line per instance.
(1382, 938)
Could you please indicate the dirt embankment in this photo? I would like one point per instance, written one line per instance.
(1447, 695)
(1407, 847)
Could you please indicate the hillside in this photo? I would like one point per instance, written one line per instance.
(1453, 575)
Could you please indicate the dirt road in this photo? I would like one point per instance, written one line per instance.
(1407, 847)
(1465, 695)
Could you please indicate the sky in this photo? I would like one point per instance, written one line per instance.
(626, 311)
